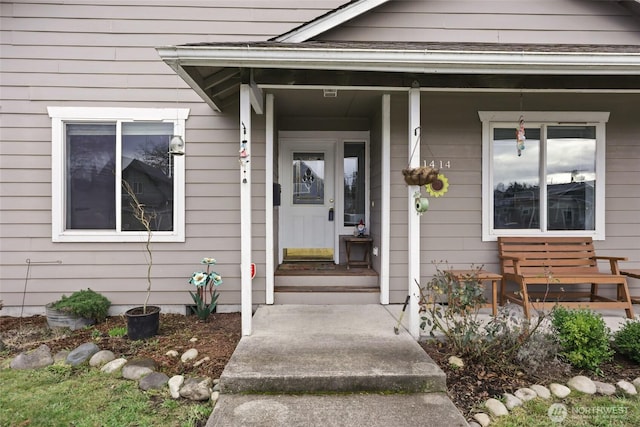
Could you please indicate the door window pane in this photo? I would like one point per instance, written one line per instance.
(308, 179)
(516, 180)
(90, 176)
(571, 177)
(354, 185)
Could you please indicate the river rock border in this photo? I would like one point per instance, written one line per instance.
(496, 408)
(142, 370)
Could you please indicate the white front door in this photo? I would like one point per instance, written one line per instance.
(307, 217)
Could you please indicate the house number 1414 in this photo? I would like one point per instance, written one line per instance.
(440, 164)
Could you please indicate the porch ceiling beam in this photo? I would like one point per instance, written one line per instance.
(219, 77)
(406, 60)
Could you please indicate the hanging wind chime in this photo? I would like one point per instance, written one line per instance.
(244, 154)
(520, 138)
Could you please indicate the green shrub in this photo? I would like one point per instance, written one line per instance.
(583, 337)
(84, 303)
(627, 340)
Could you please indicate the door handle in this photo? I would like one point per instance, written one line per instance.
(330, 214)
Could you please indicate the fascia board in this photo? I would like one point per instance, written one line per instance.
(329, 21)
(409, 61)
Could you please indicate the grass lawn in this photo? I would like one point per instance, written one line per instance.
(60, 395)
(577, 410)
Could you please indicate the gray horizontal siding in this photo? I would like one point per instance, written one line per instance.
(514, 21)
(103, 54)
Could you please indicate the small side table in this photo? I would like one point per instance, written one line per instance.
(636, 275)
(366, 243)
(482, 276)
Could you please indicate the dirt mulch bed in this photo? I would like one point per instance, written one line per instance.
(216, 339)
(470, 386)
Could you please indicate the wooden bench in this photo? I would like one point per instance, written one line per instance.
(544, 263)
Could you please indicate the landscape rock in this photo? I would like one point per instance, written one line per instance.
(189, 355)
(82, 353)
(102, 357)
(559, 390)
(511, 401)
(474, 424)
(34, 359)
(196, 389)
(496, 408)
(194, 339)
(525, 394)
(604, 388)
(175, 382)
(627, 387)
(153, 381)
(201, 361)
(636, 383)
(456, 362)
(138, 368)
(541, 391)
(113, 366)
(582, 384)
(171, 353)
(483, 419)
(215, 396)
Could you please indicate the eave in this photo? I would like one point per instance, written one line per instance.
(223, 62)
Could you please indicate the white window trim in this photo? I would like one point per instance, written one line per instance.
(60, 115)
(587, 118)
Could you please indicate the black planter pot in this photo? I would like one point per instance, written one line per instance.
(142, 325)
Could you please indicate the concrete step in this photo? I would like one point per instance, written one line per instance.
(371, 410)
(357, 295)
(329, 348)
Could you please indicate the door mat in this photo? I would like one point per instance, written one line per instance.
(308, 254)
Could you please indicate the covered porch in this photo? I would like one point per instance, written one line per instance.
(408, 97)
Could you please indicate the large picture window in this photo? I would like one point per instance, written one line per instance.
(95, 152)
(554, 185)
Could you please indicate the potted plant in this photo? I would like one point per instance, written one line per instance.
(82, 308)
(206, 284)
(143, 321)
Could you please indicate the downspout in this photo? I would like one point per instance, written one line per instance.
(245, 210)
(413, 220)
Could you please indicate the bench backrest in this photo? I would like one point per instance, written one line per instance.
(559, 255)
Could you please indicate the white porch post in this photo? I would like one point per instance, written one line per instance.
(413, 220)
(385, 207)
(245, 212)
(268, 194)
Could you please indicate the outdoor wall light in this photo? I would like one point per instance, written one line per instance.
(176, 146)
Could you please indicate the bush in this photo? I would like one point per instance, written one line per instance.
(627, 340)
(583, 337)
(84, 303)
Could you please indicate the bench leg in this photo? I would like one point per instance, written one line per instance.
(526, 306)
(625, 295)
(594, 292)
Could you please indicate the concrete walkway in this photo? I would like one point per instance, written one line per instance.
(331, 365)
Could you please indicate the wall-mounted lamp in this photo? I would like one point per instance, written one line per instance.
(176, 146)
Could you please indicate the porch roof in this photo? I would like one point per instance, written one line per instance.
(215, 70)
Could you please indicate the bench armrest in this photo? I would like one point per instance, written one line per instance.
(613, 262)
